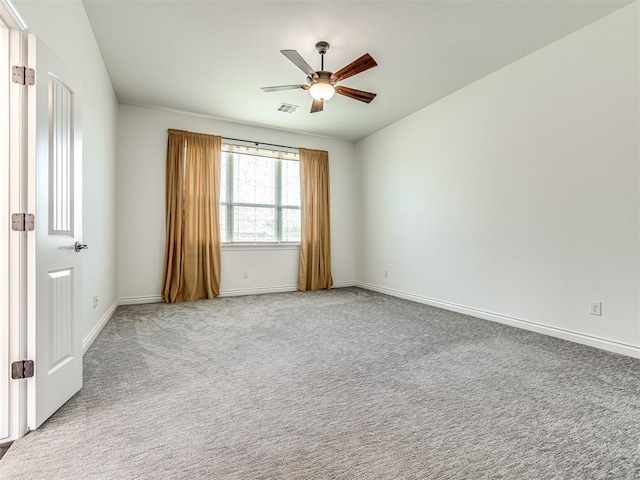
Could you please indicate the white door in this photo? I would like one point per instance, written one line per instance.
(55, 157)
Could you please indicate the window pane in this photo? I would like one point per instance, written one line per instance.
(254, 180)
(290, 224)
(254, 224)
(290, 183)
(224, 235)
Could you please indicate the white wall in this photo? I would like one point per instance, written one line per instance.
(63, 25)
(516, 198)
(142, 144)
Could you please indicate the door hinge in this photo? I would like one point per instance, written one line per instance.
(23, 75)
(22, 369)
(23, 222)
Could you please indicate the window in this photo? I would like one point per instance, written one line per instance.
(259, 195)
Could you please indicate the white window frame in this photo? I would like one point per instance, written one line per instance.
(278, 206)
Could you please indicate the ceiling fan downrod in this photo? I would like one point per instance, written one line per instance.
(322, 48)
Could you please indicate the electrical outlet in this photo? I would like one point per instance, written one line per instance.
(386, 274)
(95, 302)
(595, 308)
(245, 274)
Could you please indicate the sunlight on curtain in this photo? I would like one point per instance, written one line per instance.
(192, 252)
(315, 243)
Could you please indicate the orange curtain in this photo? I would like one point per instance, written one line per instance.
(192, 251)
(315, 241)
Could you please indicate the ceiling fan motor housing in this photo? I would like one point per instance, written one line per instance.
(321, 76)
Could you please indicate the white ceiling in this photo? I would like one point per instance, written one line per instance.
(212, 57)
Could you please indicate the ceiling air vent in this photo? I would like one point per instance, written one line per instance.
(288, 108)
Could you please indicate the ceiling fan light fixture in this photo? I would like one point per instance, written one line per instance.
(322, 90)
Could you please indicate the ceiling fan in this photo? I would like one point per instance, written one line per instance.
(322, 84)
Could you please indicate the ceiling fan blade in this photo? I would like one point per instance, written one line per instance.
(284, 87)
(298, 61)
(317, 106)
(365, 62)
(361, 95)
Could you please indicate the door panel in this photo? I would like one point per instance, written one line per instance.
(61, 158)
(54, 112)
(61, 318)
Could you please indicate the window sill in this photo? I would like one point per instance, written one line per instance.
(260, 246)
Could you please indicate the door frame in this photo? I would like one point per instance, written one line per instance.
(19, 245)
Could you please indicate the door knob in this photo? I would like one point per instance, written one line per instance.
(79, 246)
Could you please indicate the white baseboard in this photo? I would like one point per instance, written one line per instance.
(234, 292)
(280, 289)
(231, 292)
(591, 340)
(351, 283)
(140, 300)
(95, 331)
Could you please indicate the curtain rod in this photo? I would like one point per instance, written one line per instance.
(258, 143)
